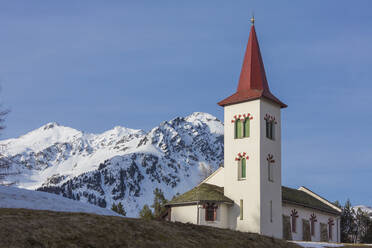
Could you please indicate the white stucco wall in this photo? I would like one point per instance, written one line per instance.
(221, 218)
(271, 190)
(217, 178)
(255, 191)
(190, 214)
(322, 217)
(249, 189)
(184, 214)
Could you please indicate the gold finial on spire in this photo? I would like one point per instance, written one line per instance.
(252, 19)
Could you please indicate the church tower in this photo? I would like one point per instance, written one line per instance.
(253, 149)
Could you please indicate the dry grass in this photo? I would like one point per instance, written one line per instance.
(34, 228)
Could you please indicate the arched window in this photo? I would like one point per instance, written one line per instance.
(238, 129)
(294, 216)
(242, 165)
(269, 129)
(246, 127)
(312, 223)
(242, 125)
(270, 167)
(270, 126)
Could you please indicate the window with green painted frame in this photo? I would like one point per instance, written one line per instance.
(242, 128)
(242, 169)
(246, 127)
(238, 129)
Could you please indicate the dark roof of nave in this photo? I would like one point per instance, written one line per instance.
(299, 197)
(202, 193)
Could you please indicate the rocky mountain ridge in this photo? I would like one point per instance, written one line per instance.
(120, 165)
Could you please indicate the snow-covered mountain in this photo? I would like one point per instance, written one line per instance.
(12, 197)
(121, 164)
(364, 208)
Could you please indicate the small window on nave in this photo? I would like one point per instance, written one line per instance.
(210, 211)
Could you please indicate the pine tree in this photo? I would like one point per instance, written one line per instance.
(146, 213)
(121, 209)
(356, 226)
(362, 221)
(159, 202)
(114, 208)
(118, 209)
(367, 237)
(347, 223)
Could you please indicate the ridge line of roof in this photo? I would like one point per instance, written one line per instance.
(322, 198)
(292, 195)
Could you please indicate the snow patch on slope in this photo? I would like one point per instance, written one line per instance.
(321, 244)
(316, 244)
(11, 197)
(364, 208)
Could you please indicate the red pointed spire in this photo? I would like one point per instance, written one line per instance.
(252, 83)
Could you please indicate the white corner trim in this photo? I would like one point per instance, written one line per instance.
(308, 191)
(210, 176)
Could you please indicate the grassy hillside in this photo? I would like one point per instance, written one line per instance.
(35, 228)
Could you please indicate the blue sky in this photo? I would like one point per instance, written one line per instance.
(93, 65)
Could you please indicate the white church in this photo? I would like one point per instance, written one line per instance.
(246, 194)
